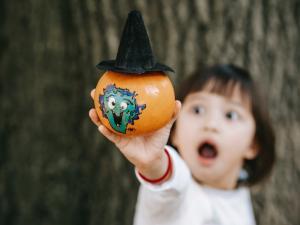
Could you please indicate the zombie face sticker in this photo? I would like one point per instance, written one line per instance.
(120, 107)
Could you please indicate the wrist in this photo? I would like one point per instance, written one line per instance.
(158, 173)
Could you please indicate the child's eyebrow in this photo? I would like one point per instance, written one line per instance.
(197, 96)
(201, 97)
(237, 104)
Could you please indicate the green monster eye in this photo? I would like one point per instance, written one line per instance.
(123, 106)
(111, 102)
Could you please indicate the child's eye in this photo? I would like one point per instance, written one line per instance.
(198, 110)
(232, 115)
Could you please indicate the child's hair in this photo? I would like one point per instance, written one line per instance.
(223, 79)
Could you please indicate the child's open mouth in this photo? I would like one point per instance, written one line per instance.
(207, 153)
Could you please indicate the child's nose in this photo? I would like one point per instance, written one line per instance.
(211, 124)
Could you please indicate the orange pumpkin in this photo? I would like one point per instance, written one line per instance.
(134, 104)
(134, 96)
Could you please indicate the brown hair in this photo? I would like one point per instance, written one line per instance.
(224, 78)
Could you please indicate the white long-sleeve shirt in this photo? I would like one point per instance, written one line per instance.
(182, 201)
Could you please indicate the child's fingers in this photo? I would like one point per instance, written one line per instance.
(93, 93)
(175, 114)
(177, 107)
(109, 135)
(176, 110)
(94, 117)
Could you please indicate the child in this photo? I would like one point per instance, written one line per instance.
(225, 143)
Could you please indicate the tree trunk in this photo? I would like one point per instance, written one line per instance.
(55, 168)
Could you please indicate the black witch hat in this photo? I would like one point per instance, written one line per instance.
(134, 53)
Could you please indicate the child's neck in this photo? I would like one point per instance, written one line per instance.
(226, 184)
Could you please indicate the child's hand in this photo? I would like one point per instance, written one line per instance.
(145, 152)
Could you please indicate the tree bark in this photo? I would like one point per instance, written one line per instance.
(55, 168)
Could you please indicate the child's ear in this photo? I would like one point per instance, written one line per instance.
(252, 152)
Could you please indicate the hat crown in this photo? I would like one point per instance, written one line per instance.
(135, 48)
(134, 52)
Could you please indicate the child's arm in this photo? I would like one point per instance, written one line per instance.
(146, 153)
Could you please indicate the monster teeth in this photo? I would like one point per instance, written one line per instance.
(118, 119)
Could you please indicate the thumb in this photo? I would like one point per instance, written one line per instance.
(175, 114)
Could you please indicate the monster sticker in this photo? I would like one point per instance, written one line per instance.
(120, 107)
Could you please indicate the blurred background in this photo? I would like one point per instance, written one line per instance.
(55, 168)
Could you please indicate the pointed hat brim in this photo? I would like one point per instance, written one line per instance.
(110, 65)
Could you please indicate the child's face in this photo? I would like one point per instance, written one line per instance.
(214, 134)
